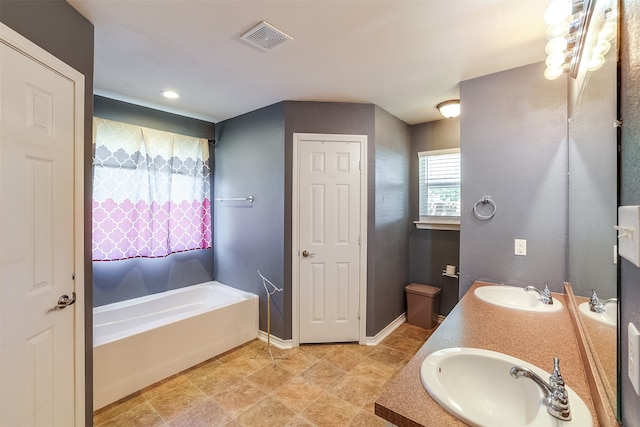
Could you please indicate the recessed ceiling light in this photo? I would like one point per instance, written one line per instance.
(170, 94)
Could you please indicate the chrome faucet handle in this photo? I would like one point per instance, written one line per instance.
(556, 380)
(556, 398)
(558, 401)
(594, 302)
(546, 295)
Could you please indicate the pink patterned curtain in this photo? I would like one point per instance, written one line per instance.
(151, 192)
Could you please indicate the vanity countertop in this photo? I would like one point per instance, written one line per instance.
(534, 337)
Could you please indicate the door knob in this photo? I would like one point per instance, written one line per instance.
(64, 301)
(307, 254)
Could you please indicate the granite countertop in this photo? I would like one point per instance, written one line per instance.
(534, 337)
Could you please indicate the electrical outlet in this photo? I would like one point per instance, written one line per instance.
(634, 357)
(520, 247)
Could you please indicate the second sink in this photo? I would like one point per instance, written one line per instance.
(516, 298)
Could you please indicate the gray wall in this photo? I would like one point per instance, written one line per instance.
(629, 291)
(254, 156)
(63, 32)
(390, 257)
(513, 141)
(338, 118)
(115, 281)
(250, 160)
(432, 250)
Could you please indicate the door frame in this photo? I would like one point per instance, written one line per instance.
(295, 226)
(16, 41)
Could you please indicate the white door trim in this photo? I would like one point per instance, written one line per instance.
(295, 225)
(21, 44)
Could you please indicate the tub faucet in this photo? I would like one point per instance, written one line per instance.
(597, 305)
(555, 394)
(545, 294)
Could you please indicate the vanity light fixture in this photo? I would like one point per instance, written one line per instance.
(579, 31)
(449, 109)
(170, 94)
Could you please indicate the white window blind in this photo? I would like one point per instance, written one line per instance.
(439, 183)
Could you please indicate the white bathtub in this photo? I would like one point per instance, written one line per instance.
(141, 341)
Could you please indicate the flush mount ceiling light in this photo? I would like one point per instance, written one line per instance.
(265, 36)
(171, 94)
(449, 109)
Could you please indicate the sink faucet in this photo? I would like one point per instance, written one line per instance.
(597, 305)
(555, 394)
(545, 294)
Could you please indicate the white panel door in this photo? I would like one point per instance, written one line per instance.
(329, 236)
(37, 353)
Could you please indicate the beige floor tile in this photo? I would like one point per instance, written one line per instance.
(366, 419)
(355, 389)
(141, 416)
(297, 361)
(240, 397)
(206, 414)
(388, 356)
(413, 331)
(319, 350)
(243, 350)
(270, 377)
(118, 408)
(178, 400)
(345, 357)
(373, 371)
(163, 386)
(300, 421)
(268, 412)
(247, 364)
(329, 410)
(297, 394)
(403, 344)
(323, 374)
(213, 381)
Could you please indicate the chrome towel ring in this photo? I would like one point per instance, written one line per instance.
(484, 200)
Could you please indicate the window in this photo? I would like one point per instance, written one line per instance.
(151, 192)
(439, 189)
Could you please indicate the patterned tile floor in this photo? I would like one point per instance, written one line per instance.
(313, 385)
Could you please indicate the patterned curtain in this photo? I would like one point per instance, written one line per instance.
(151, 192)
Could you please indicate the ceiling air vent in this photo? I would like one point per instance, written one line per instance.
(265, 36)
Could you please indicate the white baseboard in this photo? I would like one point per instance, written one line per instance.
(278, 343)
(375, 340)
(380, 336)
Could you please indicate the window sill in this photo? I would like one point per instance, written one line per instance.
(444, 223)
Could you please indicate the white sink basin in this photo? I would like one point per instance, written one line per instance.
(515, 298)
(475, 386)
(608, 317)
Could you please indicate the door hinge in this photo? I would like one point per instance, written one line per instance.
(358, 314)
(359, 165)
(359, 240)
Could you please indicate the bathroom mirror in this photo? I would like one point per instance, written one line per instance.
(593, 195)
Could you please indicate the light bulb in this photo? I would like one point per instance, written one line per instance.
(557, 11)
(558, 30)
(608, 31)
(601, 48)
(555, 45)
(595, 62)
(552, 73)
(556, 59)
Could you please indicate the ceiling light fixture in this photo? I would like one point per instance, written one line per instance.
(449, 109)
(170, 94)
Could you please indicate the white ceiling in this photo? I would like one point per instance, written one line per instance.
(404, 56)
